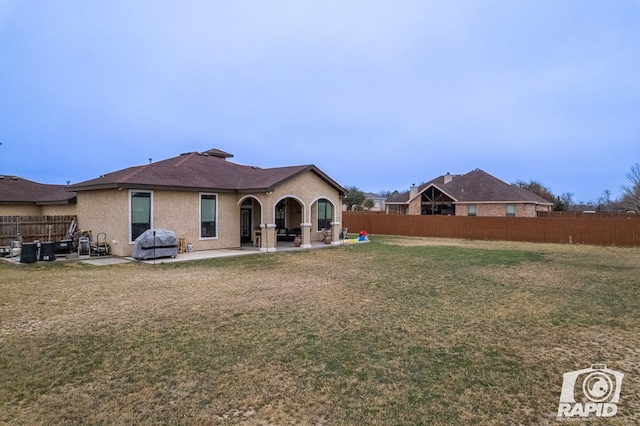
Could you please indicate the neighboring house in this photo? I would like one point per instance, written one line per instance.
(378, 201)
(476, 193)
(22, 197)
(211, 202)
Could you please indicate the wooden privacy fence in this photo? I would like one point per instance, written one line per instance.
(589, 214)
(31, 228)
(595, 230)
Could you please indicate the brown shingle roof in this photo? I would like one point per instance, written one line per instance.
(477, 186)
(207, 170)
(16, 190)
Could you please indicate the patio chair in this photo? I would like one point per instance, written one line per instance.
(343, 235)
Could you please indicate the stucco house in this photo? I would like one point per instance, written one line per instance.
(476, 193)
(211, 202)
(22, 197)
(378, 201)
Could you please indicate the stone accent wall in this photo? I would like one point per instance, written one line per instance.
(462, 210)
(415, 206)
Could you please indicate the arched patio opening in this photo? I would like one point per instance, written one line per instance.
(288, 217)
(250, 220)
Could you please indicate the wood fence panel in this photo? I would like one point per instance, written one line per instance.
(32, 228)
(618, 230)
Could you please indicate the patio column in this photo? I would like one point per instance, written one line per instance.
(268, 241)
(305, 231)
(335, 232)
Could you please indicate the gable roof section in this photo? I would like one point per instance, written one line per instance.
(15, 190)
(196, 171)
(477, 186)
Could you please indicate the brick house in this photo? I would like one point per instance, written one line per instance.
(476, 193)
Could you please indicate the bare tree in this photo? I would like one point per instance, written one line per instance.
(566, 198)
(544, 192)
(631, 194)
(537, 188)
(388, 195)
(605, 203)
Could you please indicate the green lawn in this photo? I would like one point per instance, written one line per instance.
(398, 331)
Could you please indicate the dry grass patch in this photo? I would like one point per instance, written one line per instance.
(398, 331)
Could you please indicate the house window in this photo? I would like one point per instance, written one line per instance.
(511, 210)
(280, 214)
(325, 214)
(471, 210)
(140, 213)
(208, 213)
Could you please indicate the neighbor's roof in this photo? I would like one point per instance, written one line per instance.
(477, 186)
(207, 170)
(16, 190)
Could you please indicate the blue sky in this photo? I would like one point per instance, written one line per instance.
(377, 94)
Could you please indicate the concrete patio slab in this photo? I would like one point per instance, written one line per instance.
(102, 261)
(240, 251)
(184, 257)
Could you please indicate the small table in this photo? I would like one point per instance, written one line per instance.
(257, 238)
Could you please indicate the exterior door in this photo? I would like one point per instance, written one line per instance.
(245, 226)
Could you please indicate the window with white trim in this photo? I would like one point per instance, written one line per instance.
(208, 216)
(471, 210)
(325, 214)
(139, 213)
(511, 210)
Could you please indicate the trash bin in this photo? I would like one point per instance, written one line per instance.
(29, 253)
(47, 252)
(63, 246)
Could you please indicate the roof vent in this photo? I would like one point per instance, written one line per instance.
(217, 153)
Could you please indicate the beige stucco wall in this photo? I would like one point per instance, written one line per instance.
(38, 210)
(308, 189)
(20, 210)
(61, 209)
(108, 211)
